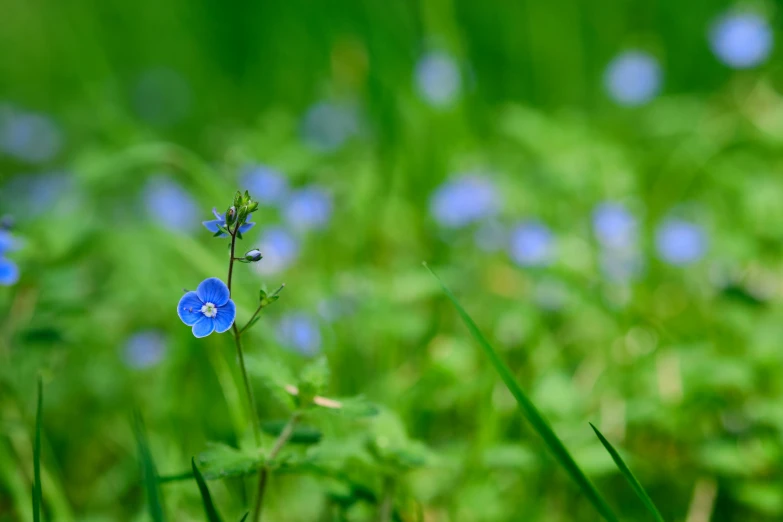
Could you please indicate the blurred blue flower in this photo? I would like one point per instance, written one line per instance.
(532, 244)
(144, 349)
(327, 126)
(9, 272)
(208, 309)
(7, 242)
(279, 249)
(621, 265)
(220, 220)
(299, 332)
(35, 194)
(29, 137)
(491, 236)
(308, 208)
(633, 78)
(680, 242)
(464, 200)
(614, 226)
(170, 205)
(438, 79)
(741, 40)
(161, 97)
(265, 184)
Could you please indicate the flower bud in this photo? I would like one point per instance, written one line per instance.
(253, 255)
(231, 216)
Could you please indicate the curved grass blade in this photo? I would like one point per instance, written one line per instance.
(244, 517)
(530, 412)
(149, 473)
(37, 493)
(209, 506)
(635, 484)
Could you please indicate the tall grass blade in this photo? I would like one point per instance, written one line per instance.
(635, 484)
(530, 412)
(243, 518)
(149, 473)
(37, 492)
(209, 506)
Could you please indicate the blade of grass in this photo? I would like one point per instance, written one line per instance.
(149, 473)
(209, 506)
(635, 484)
(37, 493)
(244, 517)
(530, 412)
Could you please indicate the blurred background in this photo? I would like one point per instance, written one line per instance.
(600, 185)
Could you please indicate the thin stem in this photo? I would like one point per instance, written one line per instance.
(281, 441)
(260, 307)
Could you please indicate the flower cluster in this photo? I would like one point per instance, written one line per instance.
(9, 272)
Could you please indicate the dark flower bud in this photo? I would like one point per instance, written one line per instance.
(253, 255)
(231, 216)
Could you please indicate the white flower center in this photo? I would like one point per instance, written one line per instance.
(209, 310)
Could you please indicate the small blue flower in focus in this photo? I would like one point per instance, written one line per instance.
(9, 272)
(220, 220)
(208, 309)
(308, 208)
(613, 225)
(741, 40)
(633, 78)
(532, 244)
(299, 332)
(170, 205)
(680, 242)
(464, 200)
(438, 79)
(280, 250)
(267, 185)
(29, 137)
(144, 349)
(327, 126)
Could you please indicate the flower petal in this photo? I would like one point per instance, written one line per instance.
(9, 272)
(225, 316)
(189, 308)
(212, 225)
(214, 291)
(218, 215)
(247, 226)
(204, 326)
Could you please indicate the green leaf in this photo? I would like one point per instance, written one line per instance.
(149, 473)
(220, 460)
(556, 446)
(301, 434)
(635, 484)
(244, 517)
(37, 492)
(209, 506)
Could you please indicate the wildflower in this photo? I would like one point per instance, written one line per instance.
(30, 137)
(7, 242)
(299, 332)
(266, 184)
(169, 204)
(144, 349)
(208, 309)
(308, 208)
(613, 225)
(464, 200)
(680, 242)
(253, 255)
(531, 244)
(633, 78)
(220, 221)
(741, 40)
(9, 272)
(438, 79)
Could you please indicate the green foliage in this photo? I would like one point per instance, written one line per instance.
(222, 461)
(301, 435)
(37, 494)
(149, 473)
(209, 506)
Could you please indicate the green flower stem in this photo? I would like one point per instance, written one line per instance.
(263, 305)
(281, 441)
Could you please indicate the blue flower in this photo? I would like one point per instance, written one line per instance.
(144, 349)
(280, 249)
(464, 200)
(299, 332)
(327, 126)
(208, 309)
(220, 219)
(680, 242)
(531, 244)
(741, 40)
(633, 78)
(7, 242)
(613, 225)
(170, 205)
(438, 79)
(29, 137)
(9, 272)
(266, 184)
(308, 208)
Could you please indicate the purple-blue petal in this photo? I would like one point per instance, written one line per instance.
(189, 308)
(9, 272)
(204, 326)
(225, 316)
(247, 226)
(212, 225)
(214, 291)
(218, 215)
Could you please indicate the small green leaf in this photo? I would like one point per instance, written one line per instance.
(239, 234)
(37, 492)
(252, 322)
(220, 460)
(301, 435)
(209, 506)
(531, 413)
(149, 473)
(635, 484)
(314, 376)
